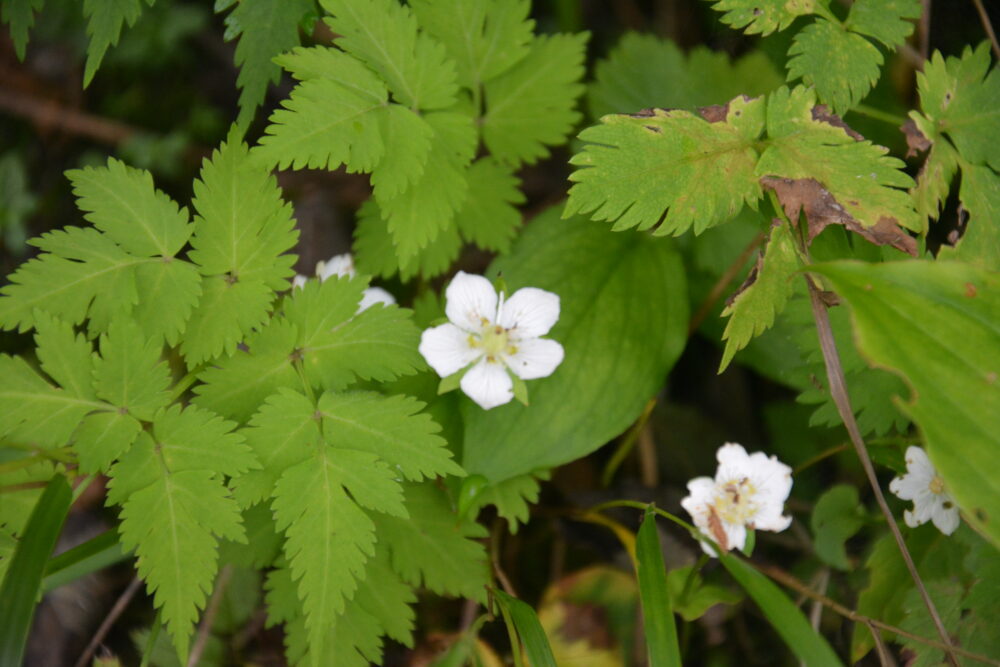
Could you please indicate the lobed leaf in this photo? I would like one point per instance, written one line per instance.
(763, 16)
(105, 19)
(889, 21)
(129, 373)
(489, 217)
(20, 14)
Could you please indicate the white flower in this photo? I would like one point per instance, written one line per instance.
(931, 501)
(496, 337)
(343, 265)
(749, 491)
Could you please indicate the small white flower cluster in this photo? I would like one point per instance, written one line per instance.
(931, 500)
(492, 337)
(343, 265)
(749, 491)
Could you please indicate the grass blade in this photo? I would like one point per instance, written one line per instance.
(661, 630)
(94, 554)
(536, 645)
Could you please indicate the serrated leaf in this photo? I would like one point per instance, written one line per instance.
(67, 357)
(862, 179)
(980, 195)
(836, 517)
(692, 597)
(324, 62)
(907, 317)
(511, 497)
(936, 174)
(194, 438)
(170, 290)
(764, 294)
(122, 202)
(645, 71)
(20, 15)
(533, 104)
(483, 37)
(105, 19)
(103, 437)
(947, 596)
(662, 168)
(408, 143)
(384, 34)
(18, 505)
(885, 20)
(843, 66)
(320, 306)
(763, 16)
(129, 374)
(417, 215)
(265, 29)
(489, 217)
(225, 313)
(434, 548)
(392, 428)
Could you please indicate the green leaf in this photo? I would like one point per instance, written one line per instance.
(907, 317)
(104, 26)
(390, 427)
(660, 628)
(947, 596)
(489, 217)
(265, 29)
(20, 15)
(843, 66)
(529, 629)
(433, 547)
(763, 16)
(483, 37)
(980, 195)
(225, 314)
(93, 555)
(636, 168)
(375, 253)
(937, 172)
(20, 587)
(691, 597)
(837, 517)
(533, 104)
(645, 71)
(122, 202)
(408, 141)
(753, 308)
(511, 497)
(129, 373)
(787, 620)
(170, 292)
(103, 437)
(886, 20)
(65, 356)
(384, 34)
(623, 324)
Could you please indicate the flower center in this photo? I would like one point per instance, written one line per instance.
(493, 340)
(734, 501)
(936, 486)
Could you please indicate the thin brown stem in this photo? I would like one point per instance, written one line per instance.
(208, 618)
(786, 579)
(825, 454)
(109, 621)
(48, 114)
(722, 284)
(495, 559)
(987, 26)
(924, 29)
(838, 391)
(881, 650)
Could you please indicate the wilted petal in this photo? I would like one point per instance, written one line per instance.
(529, 313)
(535, 358)
(488, 384)
(375, 295)
(338, 265)
(446, 349)
(471, 300)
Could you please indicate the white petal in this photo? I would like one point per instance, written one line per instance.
(530, 312)
(736, 535)
(375, 295)
(772, 521)
(923, 507)
(471, 300)
(338, 265)
(535, 358)
(734, 462)
(299, 281)
(488, 384)
(909, 486)
(946, 520)
(918, 463)
(911, 519)
(446, 349)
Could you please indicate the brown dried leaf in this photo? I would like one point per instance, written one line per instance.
(822, 114)
(916, 141)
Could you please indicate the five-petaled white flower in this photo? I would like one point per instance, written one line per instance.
(931, 501)
(749, 491)
(495, 337)
(343, 265)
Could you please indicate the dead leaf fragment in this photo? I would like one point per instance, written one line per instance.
(821, 113)
(714, 113)
(916, 142)
(821, 208)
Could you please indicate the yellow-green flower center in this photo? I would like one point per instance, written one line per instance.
(734, 502)
(493, 341)
(937, 485)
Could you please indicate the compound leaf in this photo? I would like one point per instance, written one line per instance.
(843, 66)
(489, 217)
(129, 373)
(763, 16)
(67, 357)
(104, 26)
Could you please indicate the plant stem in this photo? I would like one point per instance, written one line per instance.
(722, 283)
(878, 114)
(154, 632)
(204, 629)
(987, 26)
(117, 610)
(627, 443)
(825, 454)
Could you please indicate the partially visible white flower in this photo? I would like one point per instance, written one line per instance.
(931, 500)
(343, 265)
(749, 491)
(493, 336)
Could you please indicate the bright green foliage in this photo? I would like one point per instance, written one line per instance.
(432, 548)
(104, 26)
(175, 475)
(622, 324)
(511, 497)
(532, 105)
(763, 296)
(265, 29)
(67, 357)
(645, 71)
(384, 34)
(241, 231)
(843, 66)
(889, 21)
(636, 168)
(483, 37)
(489, 217)
(837, 517)
(764, 16)
(129, 373)
(691, 596)
(408, 147)
(20, 14)
(980, 195)
(907, 317)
